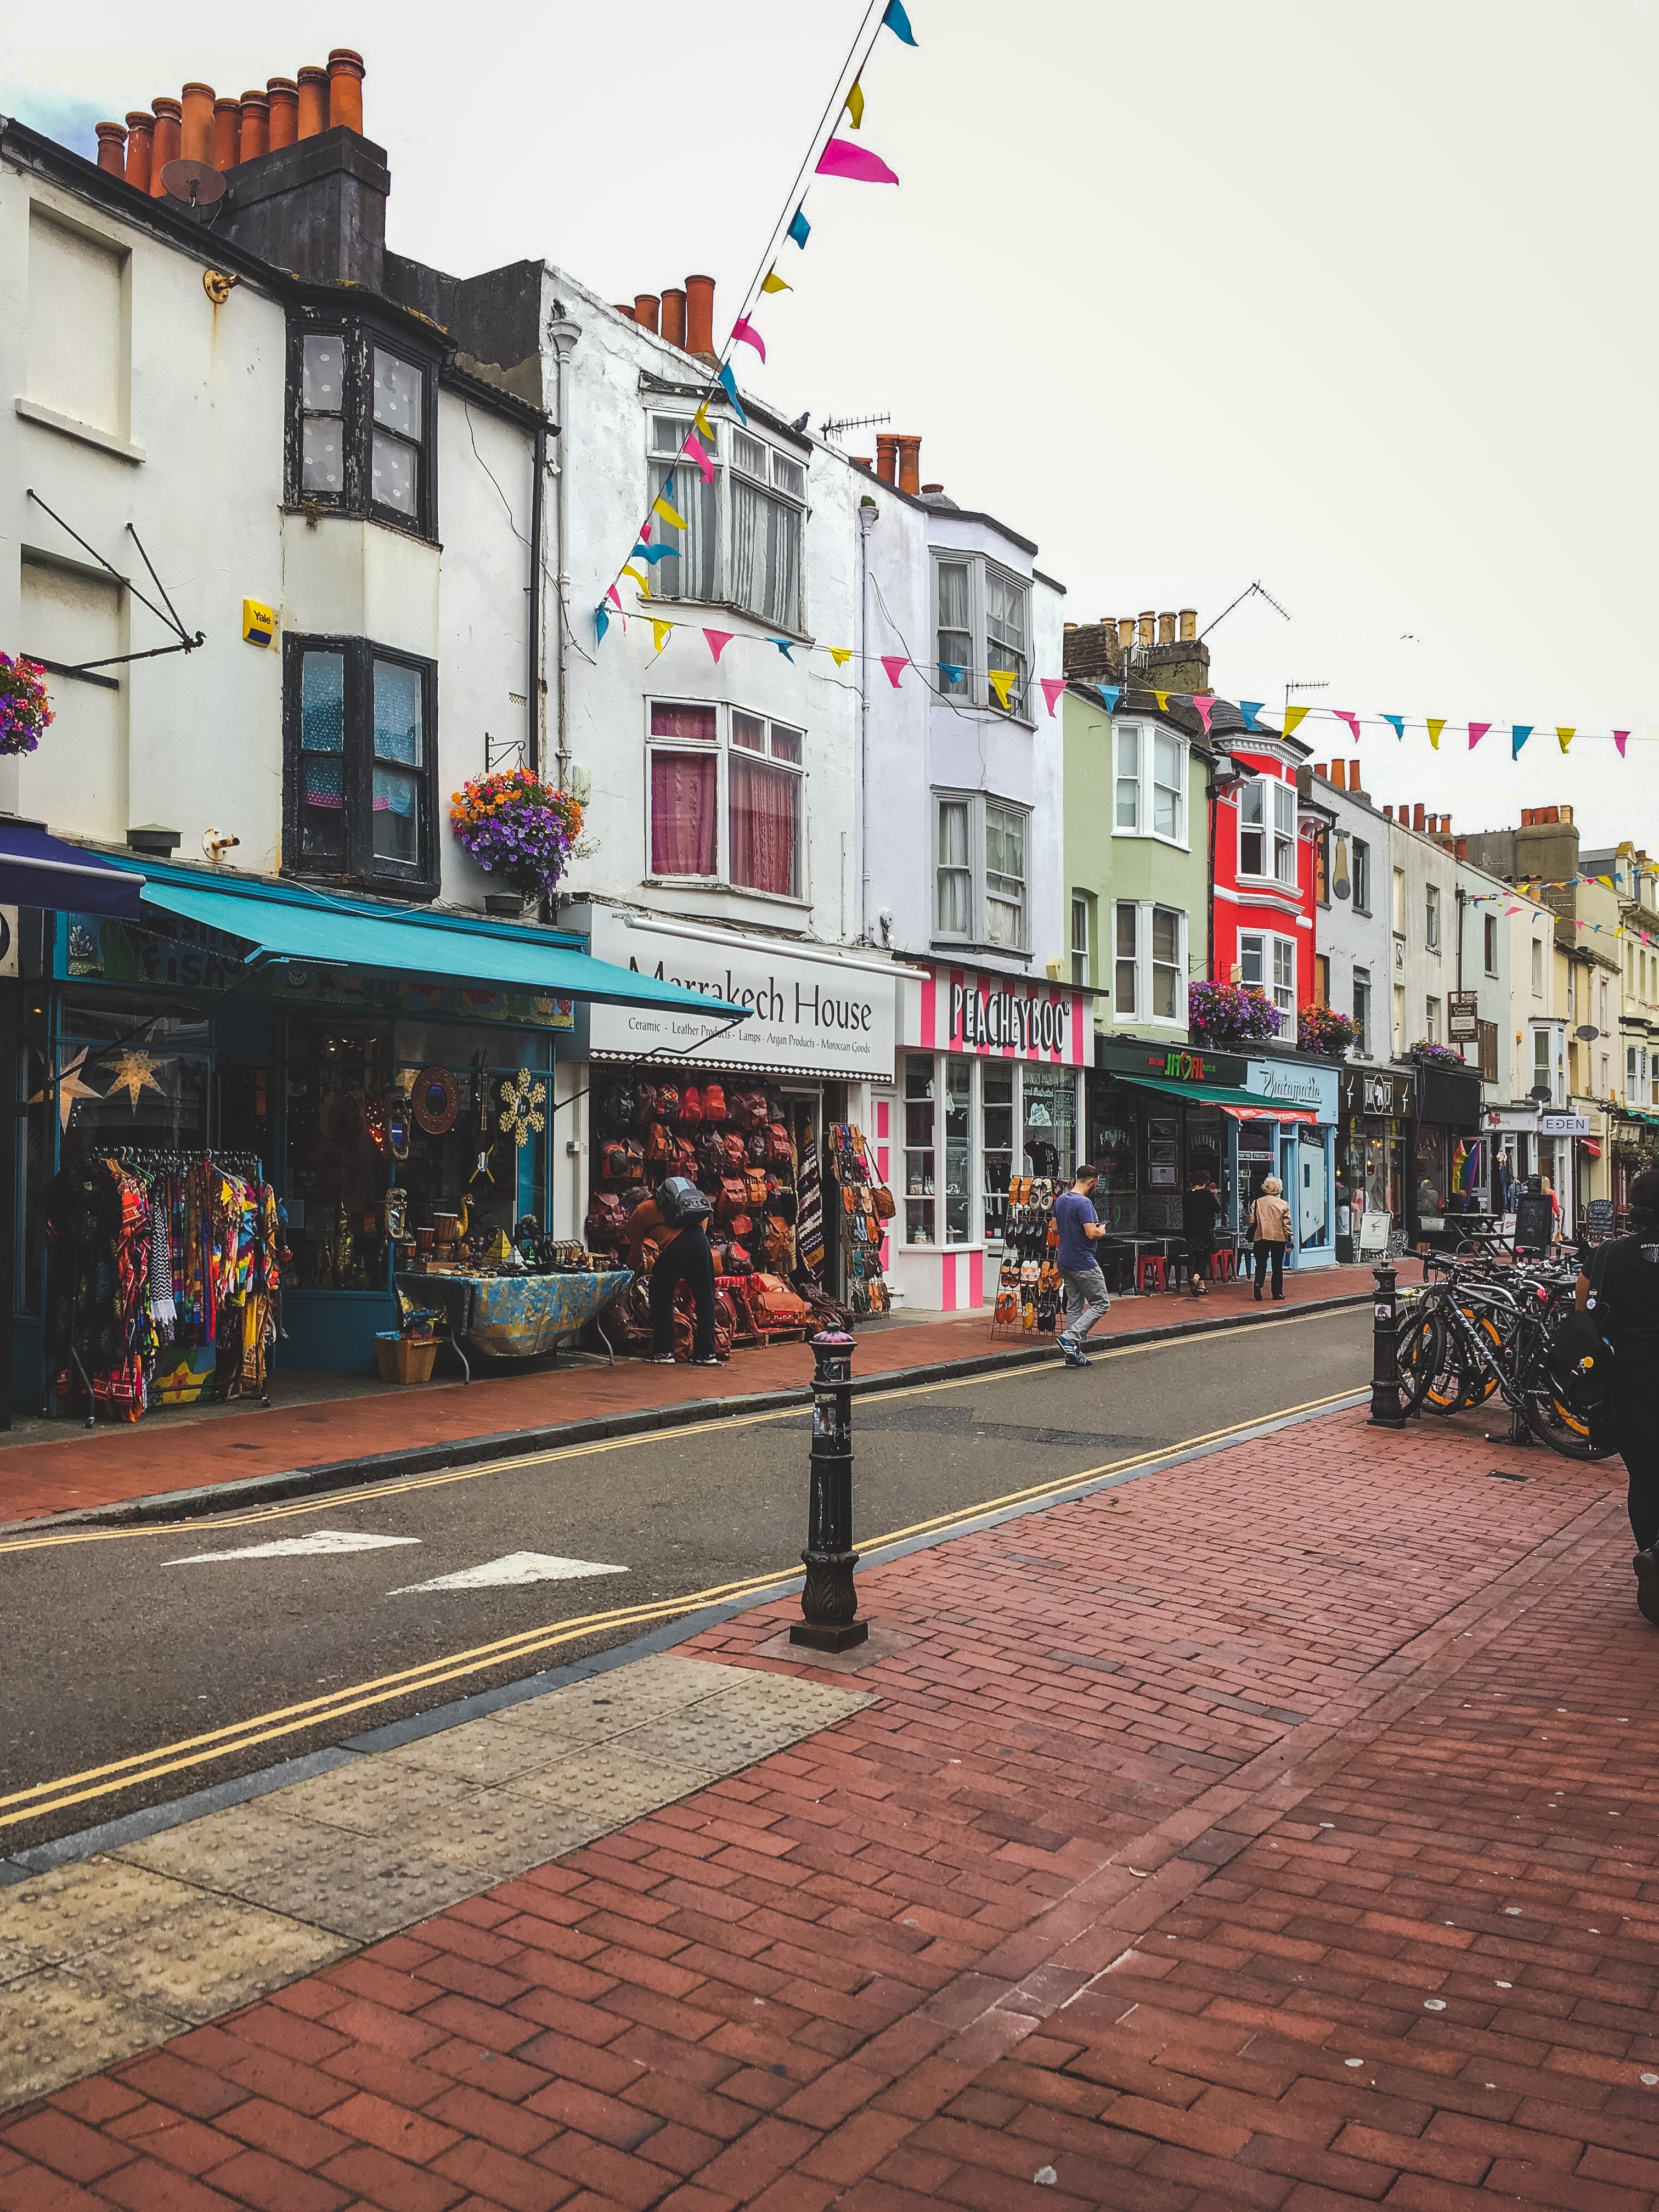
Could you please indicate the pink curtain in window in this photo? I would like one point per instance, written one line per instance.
(691, 722)
(683, 814)
(763, 826)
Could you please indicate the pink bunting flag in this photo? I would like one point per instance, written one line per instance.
(694, 446)
(1477, 731)
(1345, 715)
(1052, 687)
(744, 330)
(645, 533)
(614, 595)
(894, 664)
(1618, 737)
(842, 158)
(1204, 706)
(718, 640)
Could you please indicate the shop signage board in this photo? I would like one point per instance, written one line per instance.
(1564, 1125)
(977, 1012)
(1375, 1225)
(1511, 1118)
(1175, 1063)
(1462, 1016)
(1534, 1222)
(1290, 1084)
(811, 1015)
(1375, 1095)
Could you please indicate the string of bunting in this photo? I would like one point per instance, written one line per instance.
(836, 157)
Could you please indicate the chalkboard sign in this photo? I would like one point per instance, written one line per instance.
(1534, 1222)
(1598, 1217)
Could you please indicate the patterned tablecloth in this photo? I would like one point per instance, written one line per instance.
(513, 1317)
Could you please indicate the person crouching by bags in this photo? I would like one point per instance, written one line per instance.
(1269, 1228)
(1620, 1294)
(675, 1218)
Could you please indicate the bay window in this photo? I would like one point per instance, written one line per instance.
(1268, 963)
(763, 814)
(687, 572)
(360, 764)
(1082, 934)
(979, 871)
(1267, 830)
(768, 509)
(360, 417)
(740, 536)
(982, 621)
(1150, 961)
(1150, 782)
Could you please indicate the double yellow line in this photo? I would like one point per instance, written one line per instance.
(45, 1798)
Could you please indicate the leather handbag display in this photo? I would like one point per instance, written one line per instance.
(668, 1101)
(690, 1105)
(657, 1142)
(737, 1151)
(733, 1198)
(778, 1149)
(755, 1190)
(645, 1102)
(713, 1102)
(748, 1109)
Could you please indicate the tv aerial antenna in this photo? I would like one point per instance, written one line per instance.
(852, 422)
(1258, 590)
(198, 184)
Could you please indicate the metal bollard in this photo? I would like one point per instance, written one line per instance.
(828, 1603)
(1385, 1352)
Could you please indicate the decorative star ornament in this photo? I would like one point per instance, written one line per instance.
(521, 1100)
(133, 1071)
(70, 1088)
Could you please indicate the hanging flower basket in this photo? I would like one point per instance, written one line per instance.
(517, 828)
(25, 710)
(1227, 1013)
(1437, 1055)
(1322, 1030)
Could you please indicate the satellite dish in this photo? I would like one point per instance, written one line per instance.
(1587, 1034)
(1541, 1092)
(198, 183)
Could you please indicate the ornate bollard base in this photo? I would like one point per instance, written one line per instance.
(829, 1604)
(820, 1639)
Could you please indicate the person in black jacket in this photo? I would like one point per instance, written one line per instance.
(1627, 1314)
(1199, 1211)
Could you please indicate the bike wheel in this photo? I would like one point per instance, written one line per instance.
(1420, 1353)
(1554, 1423)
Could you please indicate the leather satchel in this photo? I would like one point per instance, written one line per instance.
(748, 1109)
(690, 1105)
(733, 1198)
(713, 1102)
(778, 1149)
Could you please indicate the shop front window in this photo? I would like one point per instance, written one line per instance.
(338, 1075)
(958, 1151)
(1431, 1172)
(453, 1077)
(1050, 1120)
(124, 1079)
(918, 1149)
(1113, 1142)
(997, 1079)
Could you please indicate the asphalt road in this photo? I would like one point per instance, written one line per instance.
(141, 1664)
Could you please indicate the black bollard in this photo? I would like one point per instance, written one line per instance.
(1385, 1352)
(828, 1603)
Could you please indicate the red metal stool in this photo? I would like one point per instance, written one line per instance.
(1149, 1269)
(1225, 1263)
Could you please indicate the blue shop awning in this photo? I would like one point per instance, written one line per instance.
(321, 930)
(36, 870)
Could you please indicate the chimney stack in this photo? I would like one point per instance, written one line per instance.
(1166, 626)
(168, 126)
(1126, 632)
(1417, 817)
(111, 147)
(700, 315)
(909, 464)
(345, 89)
(196, 125)
(313, 101)
(255, 136)
(673, 317)
(624, 308)
(141, 142)
(1148, 623)
(887, 457)
(1189, 625)
(226, 134)
(283, 94)
(646, 305)
(1388, 814)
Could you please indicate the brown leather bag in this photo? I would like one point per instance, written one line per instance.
(779, 1151)
(737, 1151)
(713, 1102)
(755, 1188)
(733, 1198)
(748, 1109)
(658, 1145)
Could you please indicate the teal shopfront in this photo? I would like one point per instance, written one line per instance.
(306, 1033)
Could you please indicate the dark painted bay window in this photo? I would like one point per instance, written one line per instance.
(361, 412)
(359, 744)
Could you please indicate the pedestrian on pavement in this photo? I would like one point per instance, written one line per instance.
(683, 1256)
(1199, 1211)
(1086, 1298)
(1626, 1312)
(1269, 1228)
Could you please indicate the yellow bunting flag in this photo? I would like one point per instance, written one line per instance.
(841, 654)
(1002, 681)
(856, 106)
(701, 418)
(1435, 726)
(668, 514)
(661, 631)
(1293, 716)
(774, 282)
(645, 588)
(1566, 737)
(1163, 699)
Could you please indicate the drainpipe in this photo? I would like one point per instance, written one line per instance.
(868, 514)
(562, 334)
(532, 689)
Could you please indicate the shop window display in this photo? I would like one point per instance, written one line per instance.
(958, 1151)
(338, 1074)
(1049, 1097)
(997, 1092)
(919, 1150)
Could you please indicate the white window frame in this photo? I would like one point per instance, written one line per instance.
(1362, 1008)
(1489, 943)
(1432, 917)
(975, 686)
(1538, 966)
(1277, 829)
(1360, 867)
(977, 935)
(721, 747)
(1136, 782)
(1082, 911)
(779, 484)
(1432, 1019)
(1141, 966)
(1275, 959)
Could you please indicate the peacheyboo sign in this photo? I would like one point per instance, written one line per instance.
(810, 1017)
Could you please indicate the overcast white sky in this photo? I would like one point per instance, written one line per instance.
(1357, 301)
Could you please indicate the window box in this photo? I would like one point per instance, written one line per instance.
(361, 424)
(359, 764)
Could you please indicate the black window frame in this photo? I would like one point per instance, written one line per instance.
(360, 864)
(359, 336)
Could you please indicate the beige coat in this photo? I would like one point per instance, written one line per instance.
(1270, 1221)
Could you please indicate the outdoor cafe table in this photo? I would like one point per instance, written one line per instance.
(515, 1316)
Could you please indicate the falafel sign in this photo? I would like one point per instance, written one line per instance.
(808, 1016)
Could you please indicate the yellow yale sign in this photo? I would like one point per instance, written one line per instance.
(258, 623)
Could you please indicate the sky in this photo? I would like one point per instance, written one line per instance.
(1355, 302)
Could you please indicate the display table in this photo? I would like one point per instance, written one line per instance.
(514, 1316)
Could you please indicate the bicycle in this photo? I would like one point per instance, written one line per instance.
(1473, 1336)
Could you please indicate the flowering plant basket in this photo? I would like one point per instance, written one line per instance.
(25, 710)
(1228, 1014)
(1437, 1055)
(517, 827)
(1322, 1030)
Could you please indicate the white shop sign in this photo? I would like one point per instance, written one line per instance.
(812, 1016)
(1564, 1125)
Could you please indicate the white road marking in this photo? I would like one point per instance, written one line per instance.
(321, 1542)
(512, 1570)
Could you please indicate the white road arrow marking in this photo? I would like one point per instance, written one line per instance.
(319, 1544)
(516, 1568)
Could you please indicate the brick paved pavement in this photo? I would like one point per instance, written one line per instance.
(1273, 1831)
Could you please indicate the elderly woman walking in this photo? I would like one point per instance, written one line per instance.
(1269, 1227)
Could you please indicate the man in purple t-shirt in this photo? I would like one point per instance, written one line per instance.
(1087, 1301)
